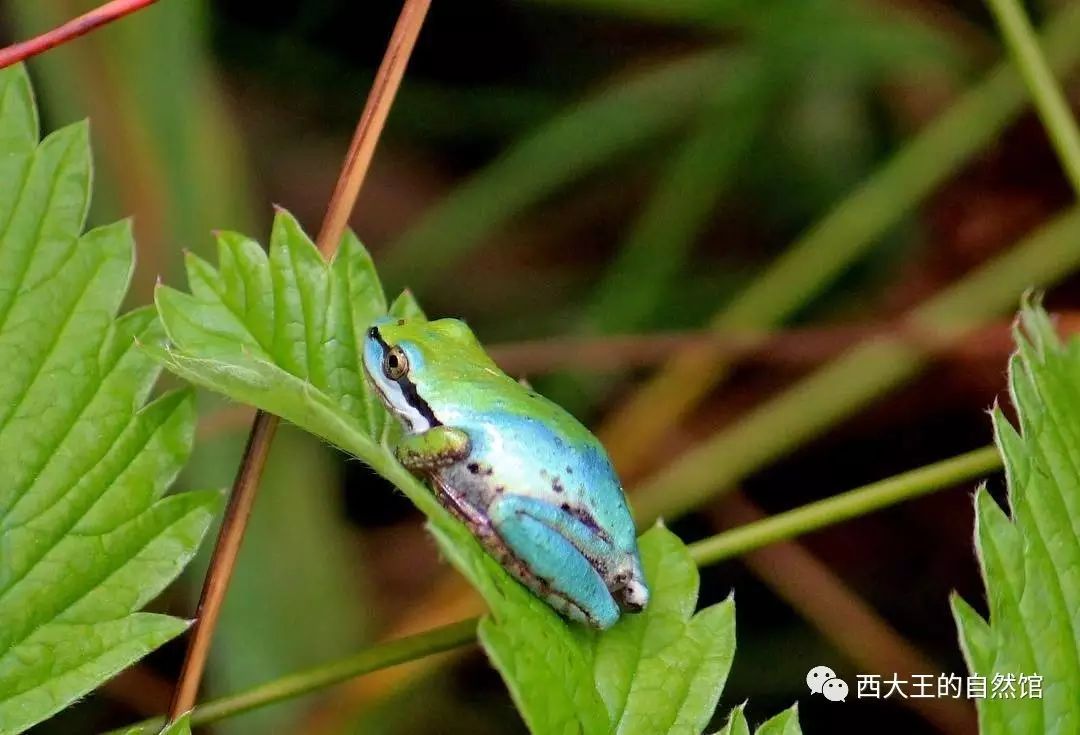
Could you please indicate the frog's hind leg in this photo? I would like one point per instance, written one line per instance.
(549, 564)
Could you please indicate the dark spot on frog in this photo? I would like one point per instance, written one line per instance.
(587, 519)
(557, 486)
(499, 489)
(401, 322)
(569, 470)
(474, 468)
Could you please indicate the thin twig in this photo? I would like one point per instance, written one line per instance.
(368, 130)
(222, 563)
(74, 28)
(353, 172)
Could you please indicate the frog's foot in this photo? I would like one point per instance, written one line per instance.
(547, 562)
(433, 449)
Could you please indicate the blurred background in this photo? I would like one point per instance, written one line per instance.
(840, 188)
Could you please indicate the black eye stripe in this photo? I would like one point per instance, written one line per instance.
(408, 388)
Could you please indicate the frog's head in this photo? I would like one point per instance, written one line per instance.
(411, 362)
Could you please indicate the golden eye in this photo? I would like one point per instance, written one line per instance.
(395, 364)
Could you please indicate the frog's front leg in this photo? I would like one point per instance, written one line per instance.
(552, 551)
(433, 449)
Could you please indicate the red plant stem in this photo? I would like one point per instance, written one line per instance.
(222, 563)
(369, 128)
(246, 485)
(74, 28)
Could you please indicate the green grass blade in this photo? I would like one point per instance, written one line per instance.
(1049, 100)
(842, 237)
(865, 372)
(563, 150)
(673, 219)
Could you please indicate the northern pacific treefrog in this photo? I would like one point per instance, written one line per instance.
(532, 484)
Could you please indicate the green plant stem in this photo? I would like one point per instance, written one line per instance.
(378, 657)
(851, 504)
(783, 526)
(1050, 102)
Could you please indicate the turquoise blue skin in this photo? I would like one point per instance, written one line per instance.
(532, 484)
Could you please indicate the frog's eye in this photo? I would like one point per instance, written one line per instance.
(395, 364)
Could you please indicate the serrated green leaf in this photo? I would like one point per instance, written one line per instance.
(180, 727)
(1031, 562)
(658, 672)
(86, 538)
(736, 724)
(284, 331)
(546, 663)
(663, 671)
(214, 342)
(785, 723)
(975, 640)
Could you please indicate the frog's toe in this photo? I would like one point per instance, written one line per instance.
(632, 596)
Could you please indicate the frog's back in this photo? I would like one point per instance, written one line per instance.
(540, 450)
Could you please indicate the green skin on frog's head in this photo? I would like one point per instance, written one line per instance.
(531, 483)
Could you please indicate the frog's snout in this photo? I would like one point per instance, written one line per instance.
(633, 596)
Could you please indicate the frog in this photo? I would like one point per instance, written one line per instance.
(534, 486)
